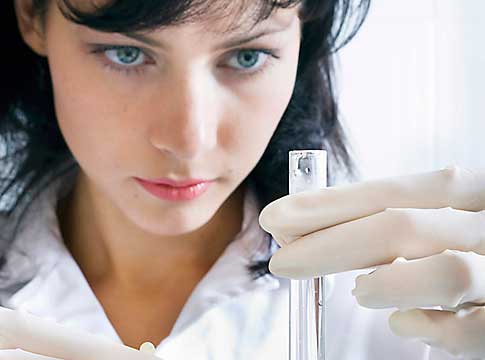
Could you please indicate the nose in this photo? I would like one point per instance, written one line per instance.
(187, 125)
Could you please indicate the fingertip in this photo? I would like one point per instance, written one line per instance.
(279, 267)
(273, 214)
(413, 323)
(393, 320)
(148, 348)
(275, 267)
(405, 322)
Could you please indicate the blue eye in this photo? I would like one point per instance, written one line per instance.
(125, 55)
(247, 59)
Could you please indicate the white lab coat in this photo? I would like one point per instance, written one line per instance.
(228, 316)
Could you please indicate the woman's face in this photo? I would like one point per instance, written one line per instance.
(192, 108)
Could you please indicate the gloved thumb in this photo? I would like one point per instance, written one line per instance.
(459, 333)
(414, 323)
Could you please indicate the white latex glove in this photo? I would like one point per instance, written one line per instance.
(27, 337)
(424, 234)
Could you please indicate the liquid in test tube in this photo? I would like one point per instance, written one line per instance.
(307, 171)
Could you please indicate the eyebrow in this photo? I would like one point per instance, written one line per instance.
(228, 44)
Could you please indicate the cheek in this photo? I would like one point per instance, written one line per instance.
(254, 119)
(92, 115)
(263, 103)
(82, 120)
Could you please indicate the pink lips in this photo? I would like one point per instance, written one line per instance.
(168, 189)
(166, 181)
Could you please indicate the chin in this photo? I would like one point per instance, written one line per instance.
(176, 222)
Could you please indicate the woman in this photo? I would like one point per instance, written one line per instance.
(154, 133)
(112, 98)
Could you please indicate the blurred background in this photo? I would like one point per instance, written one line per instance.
(411, 87)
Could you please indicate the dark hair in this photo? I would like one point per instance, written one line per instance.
(33, 146)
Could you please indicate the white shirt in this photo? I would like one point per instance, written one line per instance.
(228, 316)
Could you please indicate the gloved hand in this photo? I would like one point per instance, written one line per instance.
(27, 337)
(423, 233)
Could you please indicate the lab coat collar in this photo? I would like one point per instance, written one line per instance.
(60, 292)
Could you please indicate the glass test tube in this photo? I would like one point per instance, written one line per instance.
(307, 171)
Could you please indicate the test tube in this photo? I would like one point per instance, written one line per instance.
(307, 171)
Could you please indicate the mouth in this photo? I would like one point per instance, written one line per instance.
(175, 183)
(172, 190)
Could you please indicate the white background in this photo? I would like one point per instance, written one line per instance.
(411, 87)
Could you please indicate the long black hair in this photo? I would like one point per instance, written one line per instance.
(32, 146)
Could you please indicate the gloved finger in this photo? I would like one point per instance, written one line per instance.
(303, 213)
(448, 279)
(461, 333)
(43, 336)
(18, 354)
(379, 239)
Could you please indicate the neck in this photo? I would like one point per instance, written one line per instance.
(110, 249)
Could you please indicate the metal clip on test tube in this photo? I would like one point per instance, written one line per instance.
(307, 171)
